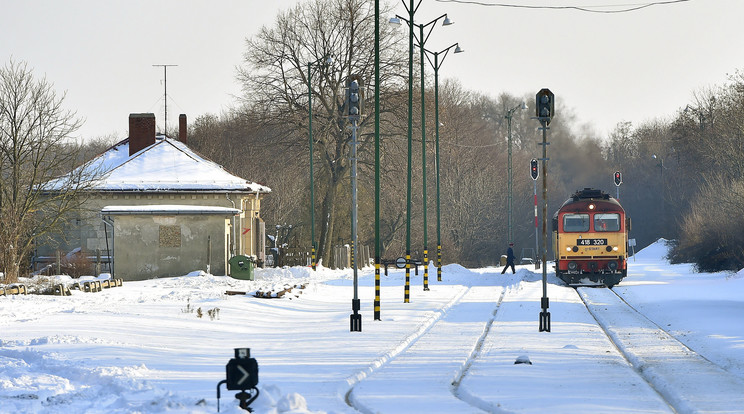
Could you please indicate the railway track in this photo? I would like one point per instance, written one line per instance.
(556, 377)
(687, 381)
(452, 356)
(472, 343)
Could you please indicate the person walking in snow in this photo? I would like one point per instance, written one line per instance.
(509, 259)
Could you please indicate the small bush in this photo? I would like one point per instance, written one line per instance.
(188, 308)
(77, 264)
(712, 232)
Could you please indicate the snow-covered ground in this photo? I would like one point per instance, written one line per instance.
(142, 347)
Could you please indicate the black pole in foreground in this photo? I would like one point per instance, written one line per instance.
(545, 301)
(545, 109)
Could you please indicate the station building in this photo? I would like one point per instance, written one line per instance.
(159, 209)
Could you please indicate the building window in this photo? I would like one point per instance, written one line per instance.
(170, 236)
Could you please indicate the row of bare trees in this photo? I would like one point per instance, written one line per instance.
(682, 177)
(689, 172)
(670, 168)
(35, 149)
(266, 139)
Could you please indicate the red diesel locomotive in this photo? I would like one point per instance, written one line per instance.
(590, 239)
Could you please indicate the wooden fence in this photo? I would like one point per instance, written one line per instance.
(341, 257)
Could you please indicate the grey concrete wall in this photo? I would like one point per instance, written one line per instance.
(161, 246)
(89, 232)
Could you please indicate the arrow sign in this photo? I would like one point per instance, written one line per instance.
(242, 373)
(245, 376)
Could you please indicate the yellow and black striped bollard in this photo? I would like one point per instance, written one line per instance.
(439, 263)
(312, 257)
(426, 269)
(407, 289)
(377, 289)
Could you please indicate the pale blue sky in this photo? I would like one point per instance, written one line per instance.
(606, 68)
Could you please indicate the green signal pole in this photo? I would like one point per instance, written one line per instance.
(423, 158)
(377, 162)
(328, 60)
(411, 11)
(436, 65)
(407, 288)
(312, 185)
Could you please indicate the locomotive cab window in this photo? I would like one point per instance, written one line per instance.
(607, 222)
(576, 222)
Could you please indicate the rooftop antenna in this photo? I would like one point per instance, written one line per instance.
(165, 96)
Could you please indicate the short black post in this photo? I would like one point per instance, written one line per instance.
(545, 315)
(355, 322)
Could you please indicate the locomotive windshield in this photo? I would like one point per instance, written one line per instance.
(576, 222)
(607, 222)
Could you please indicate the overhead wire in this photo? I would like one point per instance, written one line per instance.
(589, 9)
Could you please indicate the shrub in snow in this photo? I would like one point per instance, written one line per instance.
(77, 264)
(291, 403)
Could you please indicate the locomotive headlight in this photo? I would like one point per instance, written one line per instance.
(568, 249)
(614, 248)
(591, 206)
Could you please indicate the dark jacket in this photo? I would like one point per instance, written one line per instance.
(510, 255)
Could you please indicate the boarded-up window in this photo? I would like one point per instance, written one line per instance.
(170, 236)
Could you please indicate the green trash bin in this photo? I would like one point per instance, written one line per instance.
(241, 267)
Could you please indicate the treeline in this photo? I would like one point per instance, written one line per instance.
(697, 181)
(38, 193)
(682, 177)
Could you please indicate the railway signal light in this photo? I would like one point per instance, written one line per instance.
(533, 169)
(242, 371)
(353, 98)
(242, 374)
(545, 106)
(618, 178)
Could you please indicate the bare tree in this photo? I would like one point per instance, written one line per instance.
(34, 150)
(275, 83)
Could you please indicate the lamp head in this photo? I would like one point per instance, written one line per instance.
(447, 21)
(395, 20)
(458, 49)
(524, 105)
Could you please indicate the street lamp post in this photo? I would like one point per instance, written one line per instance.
(510, 196)
(436, 65)
(396, 20)
(421, 43)
(661, 171)
(328, 60)
(377, 316)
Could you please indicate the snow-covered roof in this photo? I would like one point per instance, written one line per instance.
(169, 209)
(166, 165)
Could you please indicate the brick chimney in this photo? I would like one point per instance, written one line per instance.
(182, 128)
(141, 132)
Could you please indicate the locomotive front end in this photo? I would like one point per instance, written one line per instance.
(590, 244)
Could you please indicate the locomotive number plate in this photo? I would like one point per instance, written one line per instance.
(591, 242)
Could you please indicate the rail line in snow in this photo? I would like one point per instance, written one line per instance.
(434, 342)
(385, 359)
(474, 354)
(687, 381)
